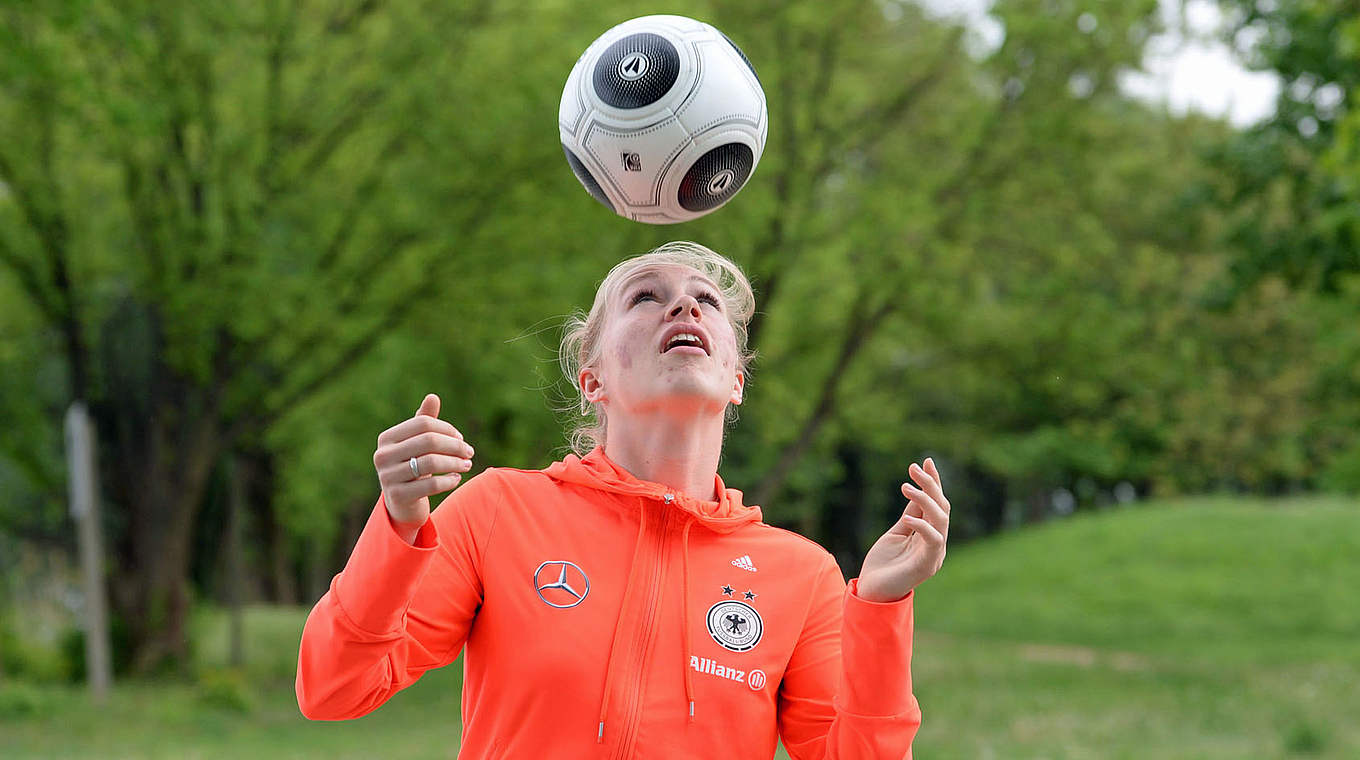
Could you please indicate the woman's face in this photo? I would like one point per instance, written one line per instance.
(666, 345)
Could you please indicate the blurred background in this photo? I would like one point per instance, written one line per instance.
(1100, 259)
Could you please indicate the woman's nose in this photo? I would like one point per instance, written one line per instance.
(685, 303)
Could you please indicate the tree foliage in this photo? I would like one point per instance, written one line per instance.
(254, 235)
(1290, 182)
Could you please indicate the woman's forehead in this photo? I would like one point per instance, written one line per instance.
(664, 271)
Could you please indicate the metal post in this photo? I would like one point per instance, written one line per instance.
(84, 493)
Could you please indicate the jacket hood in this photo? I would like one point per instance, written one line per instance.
(597, 471)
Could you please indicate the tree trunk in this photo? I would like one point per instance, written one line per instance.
(283, 587)
(160, 474)
(237, 479)
(318, 562)
(844, 515)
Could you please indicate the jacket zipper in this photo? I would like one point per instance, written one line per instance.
(647, 634)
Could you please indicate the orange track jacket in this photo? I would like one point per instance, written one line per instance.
(609, 617)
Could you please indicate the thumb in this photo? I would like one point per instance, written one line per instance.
(429, 407)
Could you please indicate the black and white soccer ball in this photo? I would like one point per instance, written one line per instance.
(663, 119)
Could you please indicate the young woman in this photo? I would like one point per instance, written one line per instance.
(625, 603)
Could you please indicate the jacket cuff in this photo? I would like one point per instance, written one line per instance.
(876, 652)
(382, 573)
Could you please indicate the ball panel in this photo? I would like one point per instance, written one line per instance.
(744, 59)
(681, 24)
(716, 177)
(636, 71)
(571, 109)
(725, 93)
(587, 180)
(632, 163)
(657, 217)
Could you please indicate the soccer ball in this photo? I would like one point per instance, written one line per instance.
(663, 119)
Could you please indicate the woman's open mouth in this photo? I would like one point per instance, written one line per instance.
(685, 339)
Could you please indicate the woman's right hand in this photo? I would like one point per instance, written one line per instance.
(441, 456)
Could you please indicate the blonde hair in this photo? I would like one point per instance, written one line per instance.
(581, 336)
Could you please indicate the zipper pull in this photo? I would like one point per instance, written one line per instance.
(669, 498)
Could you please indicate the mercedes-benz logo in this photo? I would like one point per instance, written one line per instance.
(561, 584)
(633, 66)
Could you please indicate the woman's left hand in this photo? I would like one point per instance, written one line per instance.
(913, 548)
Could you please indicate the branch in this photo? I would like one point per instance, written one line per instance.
(364, 104)
(31, 281)
(870, 126)
(356, 281)
(52, 230)
(364, 194)
(265, 175)
(24, 196)
(861, 132)
(344, 21)
(776, 232)
(861, 325)
(305, 348)
(393, 317)
(144, 223)
(969, 167)
(859, 328)
(348, 305)
(361, 106)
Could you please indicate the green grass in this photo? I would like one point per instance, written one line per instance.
(1200, 629)
(1230, 582)
(231, 714)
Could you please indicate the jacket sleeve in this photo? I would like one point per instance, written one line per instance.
(846, 694)
(397, 609)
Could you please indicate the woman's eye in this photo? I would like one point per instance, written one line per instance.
(710, 299)
(642, 295)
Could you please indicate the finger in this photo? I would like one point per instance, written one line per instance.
(415, 489)
(415, 426)
(934, 472)
(929, 484)
(429, 406)
(902, 527)
(923, 529)
(440, 464)
(930, 509)
(427, 443)
(429, 464)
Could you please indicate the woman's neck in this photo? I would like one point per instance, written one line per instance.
(681, 453)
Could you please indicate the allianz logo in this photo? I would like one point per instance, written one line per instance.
(712, 668)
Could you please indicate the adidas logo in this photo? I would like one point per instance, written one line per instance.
(744, 562)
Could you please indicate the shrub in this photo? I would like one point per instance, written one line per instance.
(226, 689)
(19, 700)
(1343, 472)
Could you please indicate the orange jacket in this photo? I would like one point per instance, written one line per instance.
(607, 617)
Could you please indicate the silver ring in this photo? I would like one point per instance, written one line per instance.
(415, 467)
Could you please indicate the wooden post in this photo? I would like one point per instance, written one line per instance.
(84, 493)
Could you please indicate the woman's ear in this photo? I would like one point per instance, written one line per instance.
(590, 385)
(738, 388)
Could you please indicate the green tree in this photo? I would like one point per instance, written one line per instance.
(1290, 195)
(220, 208)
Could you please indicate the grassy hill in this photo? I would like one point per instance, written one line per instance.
(1199, 629)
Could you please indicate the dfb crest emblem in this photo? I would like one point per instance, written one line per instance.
(736, 626)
